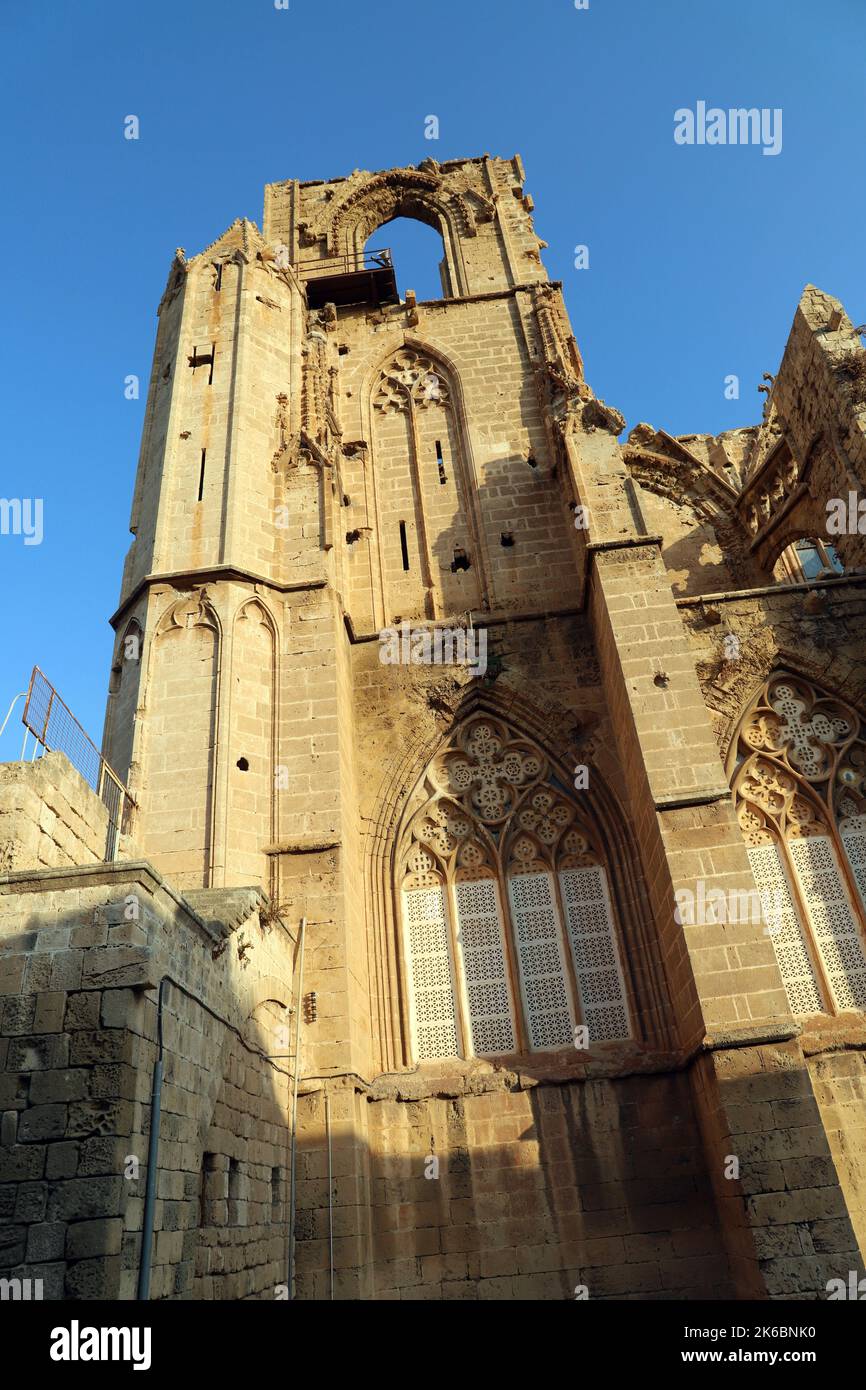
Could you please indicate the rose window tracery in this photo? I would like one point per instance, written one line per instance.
(410, 376)
(809, 730)
(488, 770)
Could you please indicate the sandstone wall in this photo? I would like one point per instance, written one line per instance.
(488, 1190)
(839, 1080)
(49, 816)
(82, 952)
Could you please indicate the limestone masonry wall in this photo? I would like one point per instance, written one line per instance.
(537, 1078)
(49, 817)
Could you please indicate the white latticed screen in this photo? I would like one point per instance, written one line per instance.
(792, 953)
(853, 833)
(431, 981)
(836, 931)
(592, 937)
(484, 968)
(542, 968)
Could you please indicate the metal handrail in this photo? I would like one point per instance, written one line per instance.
(348, 263)
(22, 695)
(55, 727)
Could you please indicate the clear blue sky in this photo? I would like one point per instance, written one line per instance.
(697, 254)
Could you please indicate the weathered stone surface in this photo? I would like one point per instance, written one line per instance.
(113, 966)
(42, 1122)
(82, 1198)
(486, 860)
(88, 1238)
(45, 1241)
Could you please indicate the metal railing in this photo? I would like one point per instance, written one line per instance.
(55, 727)
(350, 263)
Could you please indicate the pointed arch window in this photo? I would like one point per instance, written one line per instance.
(430, 534)
(799, 764)
(509, 932)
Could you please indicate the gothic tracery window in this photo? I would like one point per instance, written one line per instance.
(509, 931)
(429, 535)
(800, 787)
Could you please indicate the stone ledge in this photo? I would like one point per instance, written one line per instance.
(755, 1035)
(119, 873)
(224, 909)
(474, 1076)
(310, 844)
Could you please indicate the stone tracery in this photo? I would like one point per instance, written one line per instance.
(410, 375)
(808, 735)
(800, 768)
(498, 848)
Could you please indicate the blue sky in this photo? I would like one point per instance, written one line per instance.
(697, 254)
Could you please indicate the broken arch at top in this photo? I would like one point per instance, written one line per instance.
(400, 193)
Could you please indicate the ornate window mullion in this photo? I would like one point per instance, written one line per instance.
(521, 1035)
(571, 980)
(802, 908)
(461, 997)
(805, 916)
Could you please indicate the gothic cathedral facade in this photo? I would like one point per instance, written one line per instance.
(494, 886)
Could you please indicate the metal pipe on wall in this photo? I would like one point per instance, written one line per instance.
(146, 1261)
(294, 1116)
(146, 1255)
(330, 1193)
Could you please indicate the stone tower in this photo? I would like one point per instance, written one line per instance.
(412, 648)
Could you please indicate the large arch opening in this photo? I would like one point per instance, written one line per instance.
(417, 254)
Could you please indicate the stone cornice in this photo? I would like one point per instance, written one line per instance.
(211, 574)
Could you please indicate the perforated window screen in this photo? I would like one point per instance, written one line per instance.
(542, 968)
(485, 971)
(853, 834)
(592, 937)
(431, 979)
(837, 933)
(792, 953)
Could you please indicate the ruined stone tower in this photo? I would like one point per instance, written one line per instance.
(519, 721)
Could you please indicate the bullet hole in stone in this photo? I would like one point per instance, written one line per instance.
(243, 764)
(661, 680)
(533, 463)
(352, 536)
(506, 538)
